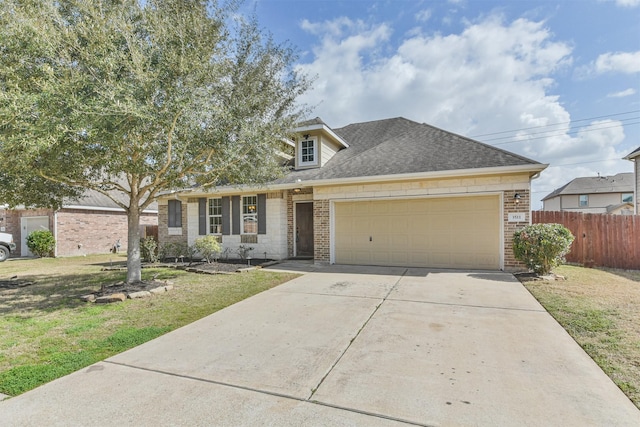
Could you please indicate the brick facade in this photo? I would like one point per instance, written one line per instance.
(77, 231)
(523, 205)
(321, 232)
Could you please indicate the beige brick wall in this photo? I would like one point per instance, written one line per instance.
(510, 206)
(163, 230)
(321, 232)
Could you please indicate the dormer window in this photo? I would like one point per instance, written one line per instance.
(308, 152)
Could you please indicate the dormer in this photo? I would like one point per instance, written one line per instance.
(315, 144)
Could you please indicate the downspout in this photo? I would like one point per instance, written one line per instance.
(55, 233)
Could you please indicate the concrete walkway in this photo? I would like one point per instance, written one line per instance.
(348, 346)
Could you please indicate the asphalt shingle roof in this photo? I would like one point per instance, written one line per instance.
(401, 146)
(620, 183)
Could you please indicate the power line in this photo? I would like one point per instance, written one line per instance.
(571, 129)
(557, 124)
(570, 132)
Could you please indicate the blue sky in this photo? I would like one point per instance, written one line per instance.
(555, 81)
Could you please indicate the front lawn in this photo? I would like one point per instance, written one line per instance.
(46, 331)
(600, 309)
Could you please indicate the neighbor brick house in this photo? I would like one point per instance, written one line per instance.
(90, 225)
(594, 194)
(386, 192)
(634, 156)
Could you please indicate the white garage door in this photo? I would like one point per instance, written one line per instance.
(455, 232)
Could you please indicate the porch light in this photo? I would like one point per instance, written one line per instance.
(297, 190)
(306, 136)
(517, 197)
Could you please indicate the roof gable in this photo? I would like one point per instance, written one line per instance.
(620, 183)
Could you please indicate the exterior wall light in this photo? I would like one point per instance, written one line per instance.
(517, 197)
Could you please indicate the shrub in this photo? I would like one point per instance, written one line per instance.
(208, 247)
(41, 243)
(542, 246)
(148, 249)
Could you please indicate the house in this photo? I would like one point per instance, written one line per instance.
(634, 157)
(93, 224)
(386, 192)
(596, 194)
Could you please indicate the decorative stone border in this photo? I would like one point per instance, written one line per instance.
(121, 296)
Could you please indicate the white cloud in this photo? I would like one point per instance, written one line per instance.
(628, 3)
(491, 76)
(423, 15)
(621, 62)
(622, 93)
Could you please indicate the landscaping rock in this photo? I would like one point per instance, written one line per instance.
(168, 288)
(158, 290)
(88, 298)
(3, 397)
(139, 294)
(111, 298)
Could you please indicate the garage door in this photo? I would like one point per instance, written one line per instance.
(457, 232)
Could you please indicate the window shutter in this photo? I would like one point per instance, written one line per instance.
(202, 216)
(235, 207)
(226, 216)
(262, 214)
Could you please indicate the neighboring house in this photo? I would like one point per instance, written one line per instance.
(596, 194)
(387, 192)
(635, 158)
(92, 224)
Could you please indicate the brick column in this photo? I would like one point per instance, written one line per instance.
(510, 206)
(321, 232)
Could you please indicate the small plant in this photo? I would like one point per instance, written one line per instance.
(225, 253)
(243, 252)
(148, 249)
(208, 247)
(542, 247)
(41, 243)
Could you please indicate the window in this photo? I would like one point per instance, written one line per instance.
(627, 197)
(215, 216)
(250, 215)
(584, 200)
(175, 213)
(308, 155)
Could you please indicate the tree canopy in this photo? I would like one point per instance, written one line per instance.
(133, 98)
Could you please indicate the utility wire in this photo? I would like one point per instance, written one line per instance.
(570, 130)
(557, 124)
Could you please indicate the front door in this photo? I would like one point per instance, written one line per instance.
(304, 229)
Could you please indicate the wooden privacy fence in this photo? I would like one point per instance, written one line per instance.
(601, 240)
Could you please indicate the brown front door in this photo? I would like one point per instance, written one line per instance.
(304, 229)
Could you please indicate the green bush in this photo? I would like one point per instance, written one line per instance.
(148, 249)
(542, 246)
(41, 243)
(208, 247)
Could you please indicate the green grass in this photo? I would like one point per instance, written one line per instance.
(46, 331)
(600, 309)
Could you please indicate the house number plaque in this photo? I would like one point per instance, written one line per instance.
(517, 217)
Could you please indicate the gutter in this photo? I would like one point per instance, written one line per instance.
(373, 179)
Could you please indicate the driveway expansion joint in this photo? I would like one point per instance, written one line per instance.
(375, 310)
(533, 310)
(269, 393)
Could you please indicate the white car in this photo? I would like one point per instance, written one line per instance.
(6, 246)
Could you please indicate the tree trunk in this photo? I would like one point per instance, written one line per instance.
(134, 267)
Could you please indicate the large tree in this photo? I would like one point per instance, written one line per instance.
(133, 98)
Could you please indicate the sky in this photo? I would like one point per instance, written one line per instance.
(555, 81)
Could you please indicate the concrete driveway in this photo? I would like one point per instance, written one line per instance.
(348, 346)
